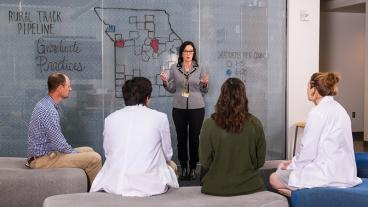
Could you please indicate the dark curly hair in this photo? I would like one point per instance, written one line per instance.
(231, 109)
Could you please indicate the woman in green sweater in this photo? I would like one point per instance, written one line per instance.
(232, 145)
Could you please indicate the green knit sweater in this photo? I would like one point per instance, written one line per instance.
(232, 160)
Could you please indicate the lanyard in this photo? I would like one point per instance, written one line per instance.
(185, 92)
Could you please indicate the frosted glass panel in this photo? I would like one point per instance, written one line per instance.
(100, 44)
(246, 39)
(38, 38)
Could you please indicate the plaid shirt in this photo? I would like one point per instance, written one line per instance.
(44, 131)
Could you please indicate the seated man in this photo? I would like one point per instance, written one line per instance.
(46, 145)
(137, 146)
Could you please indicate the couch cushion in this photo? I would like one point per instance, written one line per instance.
(21, 186)
(361, 159)
(332, 197)
(184, 196)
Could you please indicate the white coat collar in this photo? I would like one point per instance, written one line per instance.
(326, 99)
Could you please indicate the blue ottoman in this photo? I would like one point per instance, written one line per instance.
(332, 197)
(361, 159)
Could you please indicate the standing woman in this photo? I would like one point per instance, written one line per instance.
(188, 82)
(232, 146)
(326, 154)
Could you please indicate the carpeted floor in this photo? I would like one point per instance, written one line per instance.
(359, 144)
(189, 182)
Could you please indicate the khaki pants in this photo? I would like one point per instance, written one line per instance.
(87, 159)
(173, 166)
(173, 183)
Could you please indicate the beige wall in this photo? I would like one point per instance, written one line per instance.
(303, 56)
(342, 50)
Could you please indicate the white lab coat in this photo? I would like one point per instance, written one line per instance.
(326, 155)
(137, 146)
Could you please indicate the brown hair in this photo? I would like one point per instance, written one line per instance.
(54, 80)
(231, 109)
(325, 83)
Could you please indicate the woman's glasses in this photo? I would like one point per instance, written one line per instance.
(188, 51)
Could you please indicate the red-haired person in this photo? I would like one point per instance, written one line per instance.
(326, 154)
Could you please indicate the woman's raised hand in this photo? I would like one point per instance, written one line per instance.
(164, 76)
(204, 79)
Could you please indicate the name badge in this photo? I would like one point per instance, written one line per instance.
(185, 94)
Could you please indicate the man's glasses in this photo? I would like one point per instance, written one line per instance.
(188, 51)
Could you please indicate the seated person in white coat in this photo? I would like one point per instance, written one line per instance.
(137, 145)
(326, 154)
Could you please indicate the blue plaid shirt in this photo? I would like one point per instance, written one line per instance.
(44, 130)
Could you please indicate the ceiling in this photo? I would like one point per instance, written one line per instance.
(351, 6)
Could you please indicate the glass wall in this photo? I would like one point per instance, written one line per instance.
(100, 44)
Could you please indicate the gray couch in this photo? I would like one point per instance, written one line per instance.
(24, 187)
(184, 196)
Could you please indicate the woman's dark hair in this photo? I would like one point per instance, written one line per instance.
(181, 50)
(325, 83)
(136, 91)
(231, 109)
(54, 80)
